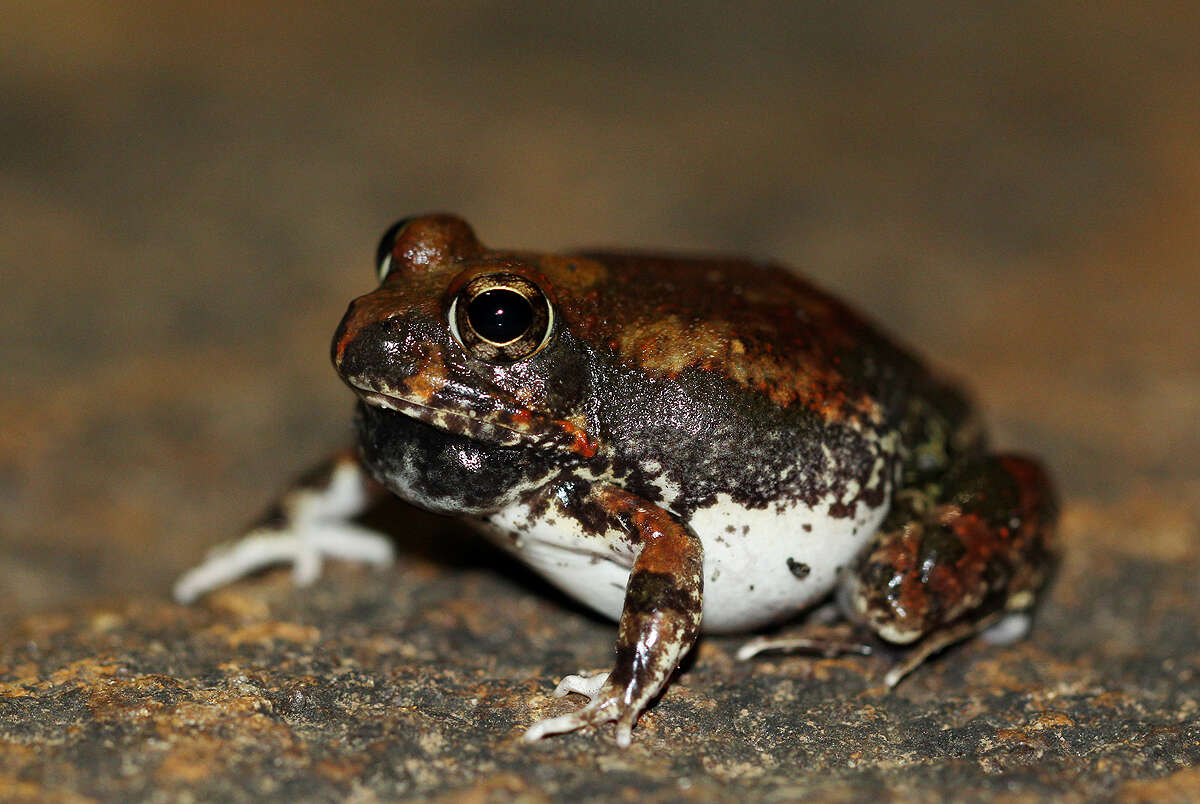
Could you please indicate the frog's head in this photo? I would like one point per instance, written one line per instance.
(467, 339)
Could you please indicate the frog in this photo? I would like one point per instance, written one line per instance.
(683, 443)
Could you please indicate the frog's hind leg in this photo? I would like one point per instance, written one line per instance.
(977, 552)
(309, 523)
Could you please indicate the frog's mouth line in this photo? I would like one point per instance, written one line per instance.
(452, 421)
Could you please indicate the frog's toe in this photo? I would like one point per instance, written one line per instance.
(309, 524)
(828, 647)
(347, 542)
(226, 563)
(625, 727)
(589, 685)
(600, 710)
(1013, 627)
(606, 703)
(303, 547)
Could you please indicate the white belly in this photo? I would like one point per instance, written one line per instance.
(748, 578)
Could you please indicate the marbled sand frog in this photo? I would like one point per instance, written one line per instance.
(678, 442)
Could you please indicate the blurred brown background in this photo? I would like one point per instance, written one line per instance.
(192, 192)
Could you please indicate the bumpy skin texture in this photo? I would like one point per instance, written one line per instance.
(668, 388)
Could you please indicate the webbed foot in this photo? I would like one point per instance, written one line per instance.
(309, 525)
(606, 704)
(305, 546)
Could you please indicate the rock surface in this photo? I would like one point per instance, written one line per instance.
(192, 195)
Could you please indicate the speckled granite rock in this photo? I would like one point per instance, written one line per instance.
(191, 195)
(419, 680)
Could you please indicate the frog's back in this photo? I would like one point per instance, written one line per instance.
(769, 416)
(759, 326)
(713, 376)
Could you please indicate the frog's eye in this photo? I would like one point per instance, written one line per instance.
(501, 317)
(383, 252)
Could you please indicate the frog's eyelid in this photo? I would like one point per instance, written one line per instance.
(385, 266)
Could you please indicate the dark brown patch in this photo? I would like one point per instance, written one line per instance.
(650, 593)
(798, 568)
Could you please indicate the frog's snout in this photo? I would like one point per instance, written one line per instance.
(383, 354)
(341, 337)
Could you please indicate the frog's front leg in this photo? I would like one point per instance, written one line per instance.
(974, 556)
(659, 620)
(310, 522)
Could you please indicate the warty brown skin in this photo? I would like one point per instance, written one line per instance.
(646, 351)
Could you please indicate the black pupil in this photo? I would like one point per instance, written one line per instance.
(500, 315)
